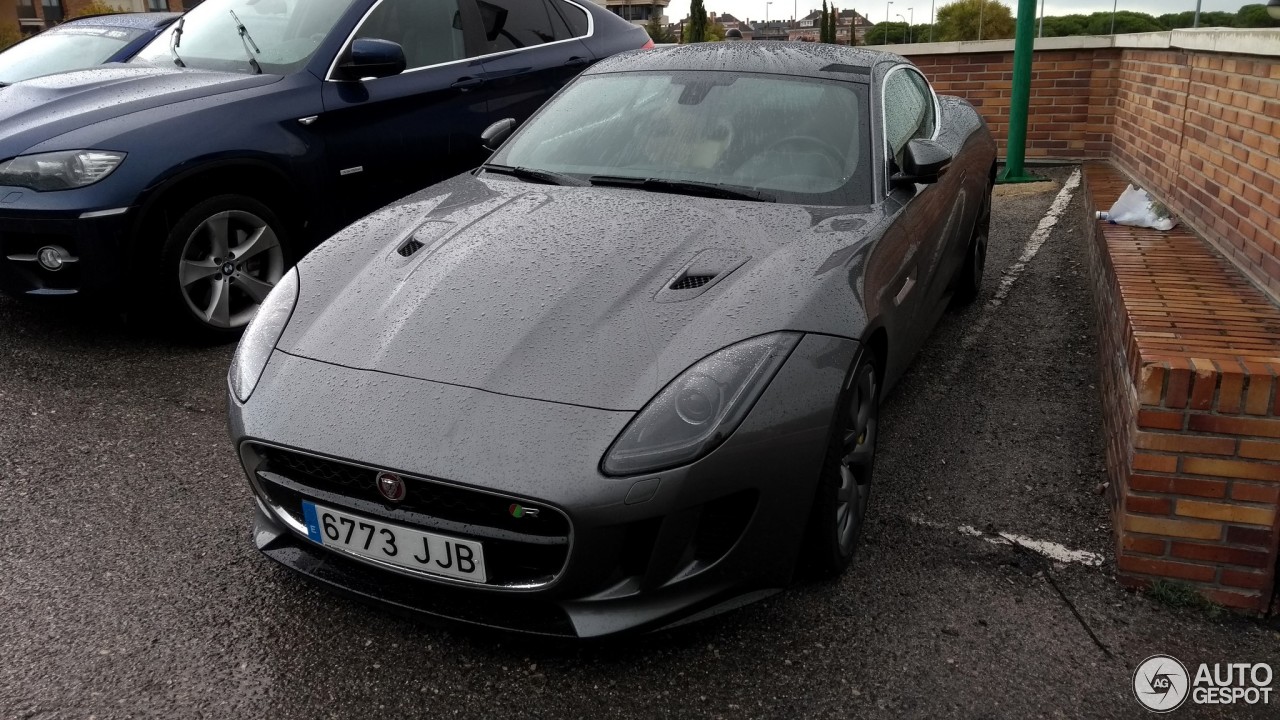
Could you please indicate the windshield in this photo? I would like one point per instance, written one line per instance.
(63, 49)
(794, 139)
(282, 35)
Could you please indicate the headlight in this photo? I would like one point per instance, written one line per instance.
(700, 408)
(261, 336)
(60, 170)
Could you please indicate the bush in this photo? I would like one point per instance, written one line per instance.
(97, 7)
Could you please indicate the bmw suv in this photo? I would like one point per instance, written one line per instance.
(185, 182)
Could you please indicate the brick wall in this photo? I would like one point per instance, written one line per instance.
(1073, 95)
(1200, 129)
(1191, 409)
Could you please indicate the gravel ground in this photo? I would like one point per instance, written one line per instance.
(129, 586)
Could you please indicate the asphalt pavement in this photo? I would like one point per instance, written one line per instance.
(129, 586)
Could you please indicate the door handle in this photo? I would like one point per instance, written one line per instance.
(466, 83)
(575, 61)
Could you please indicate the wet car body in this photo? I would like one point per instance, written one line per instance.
(496, 363)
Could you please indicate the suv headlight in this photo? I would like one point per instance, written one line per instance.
(261, 336)
(700, 408)
(60, 170)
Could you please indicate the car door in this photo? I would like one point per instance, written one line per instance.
(929, 214)
(388, 137)
(532, 49)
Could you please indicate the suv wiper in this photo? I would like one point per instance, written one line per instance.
(684, 187)
(246, 39)
(543, 176)
(175, 40)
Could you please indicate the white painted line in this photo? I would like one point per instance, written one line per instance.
(1051, 550)
(1038, 238)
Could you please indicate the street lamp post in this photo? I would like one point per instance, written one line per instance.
(1114, 4)
(766, 12)
(906, 29)
(1195, 23)
(887, 18)
(982, 5)
(931, 20)
(1040, 33)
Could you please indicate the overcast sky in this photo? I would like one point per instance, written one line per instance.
(874, 9)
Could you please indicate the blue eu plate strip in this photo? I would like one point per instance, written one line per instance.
(313, 525)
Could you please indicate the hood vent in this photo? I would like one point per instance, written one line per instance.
(689, 282)
(412, 246)
(707, 269)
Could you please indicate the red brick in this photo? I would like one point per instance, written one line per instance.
(1249, 492)
(1178, 486)
(1242, 601)
(1160, 420)
(1253, 537)
(1241, 579)
(1204, 383)
(1220, 554)
(1179, 387)
(1147, 545)
(1230, 469)
(1258, 395)
(1230, 392)
(1155, 463)
(1148, 505)
(1260, 450)
(1177, 442)
(1164, 568)
(1234, 426)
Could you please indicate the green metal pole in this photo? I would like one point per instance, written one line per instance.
(1020, 102)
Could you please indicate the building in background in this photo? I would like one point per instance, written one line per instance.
(32, 16)
(638, 12)
(849, 24)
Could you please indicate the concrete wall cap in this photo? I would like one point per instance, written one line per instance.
(1261, 41)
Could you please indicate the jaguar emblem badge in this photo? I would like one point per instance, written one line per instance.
(391, 487)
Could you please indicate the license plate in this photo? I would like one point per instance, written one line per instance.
(394, 544)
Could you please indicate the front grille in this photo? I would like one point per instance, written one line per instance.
(528, 550)
(690, 282)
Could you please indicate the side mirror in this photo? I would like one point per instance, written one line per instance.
(923, 161)
(373, 58)
(497, 133)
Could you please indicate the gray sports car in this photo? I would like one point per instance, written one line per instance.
(626, 374)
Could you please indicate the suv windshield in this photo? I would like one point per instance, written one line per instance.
(793, 139)
(282, 35)
(70, 47)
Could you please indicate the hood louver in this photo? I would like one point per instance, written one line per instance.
(410, 247)
(702, 273)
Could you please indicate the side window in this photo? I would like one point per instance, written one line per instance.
(430, 31)
(908, 110)
(576, 18)
(514, 24)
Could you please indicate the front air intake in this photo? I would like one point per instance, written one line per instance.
(689, 282)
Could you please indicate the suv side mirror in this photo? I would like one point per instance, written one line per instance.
(497, 133)
(923, 161)
(373, 58)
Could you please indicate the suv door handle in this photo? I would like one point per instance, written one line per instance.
(576, 61)
(466, 83)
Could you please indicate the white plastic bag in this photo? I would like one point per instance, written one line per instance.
(1135, 207)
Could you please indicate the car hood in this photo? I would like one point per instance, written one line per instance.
(562, 293)
(36, 110)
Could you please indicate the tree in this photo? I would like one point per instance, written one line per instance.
(888, 33)
(697, 31)
(959, 21)
(833, 18)
(97, 7)
(1255, 16)
(8, 36)
(657, 31)
(822, 23)
(715, 32)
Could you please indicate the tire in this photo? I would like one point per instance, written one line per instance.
(844, 486)
(969, 282)
(218, 260)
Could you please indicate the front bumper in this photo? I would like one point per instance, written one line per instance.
(640, 553)
(97, 246)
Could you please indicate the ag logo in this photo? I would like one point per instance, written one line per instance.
(1161, 683)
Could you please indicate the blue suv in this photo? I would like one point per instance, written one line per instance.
(187, 181)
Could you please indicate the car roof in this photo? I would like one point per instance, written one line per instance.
(136, 21)
(804, 59)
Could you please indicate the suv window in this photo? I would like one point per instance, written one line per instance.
(514, 24)
(576, 18)
(430, 31)
(908, 110)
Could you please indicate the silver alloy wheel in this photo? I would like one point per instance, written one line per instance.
(228, 265)
(858, 451)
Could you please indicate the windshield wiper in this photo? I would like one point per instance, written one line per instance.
(684, 187)
(175, 40)
(247, 40)
(542, 176)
